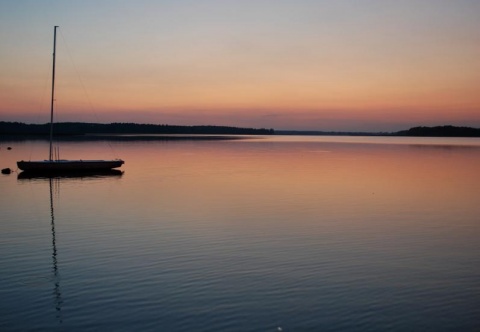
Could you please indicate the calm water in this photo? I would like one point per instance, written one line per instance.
(266, 234)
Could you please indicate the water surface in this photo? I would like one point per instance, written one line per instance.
(260, 234)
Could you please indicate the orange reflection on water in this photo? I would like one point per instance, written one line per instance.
(302, 183)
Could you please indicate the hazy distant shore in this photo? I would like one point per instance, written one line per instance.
(133, 131)
(439, 131)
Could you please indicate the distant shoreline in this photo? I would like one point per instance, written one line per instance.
(438, 131)
(133, 131)
(124, 137)
(82, 128)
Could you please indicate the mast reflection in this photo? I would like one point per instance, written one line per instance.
(56, 278)
(54, 191)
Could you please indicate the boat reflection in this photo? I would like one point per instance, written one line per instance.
(26, 175)
(54, 181)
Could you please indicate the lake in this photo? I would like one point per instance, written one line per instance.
(278, 233)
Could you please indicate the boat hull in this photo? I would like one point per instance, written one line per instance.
(68, 165)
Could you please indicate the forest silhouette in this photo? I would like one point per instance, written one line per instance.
(82, 128)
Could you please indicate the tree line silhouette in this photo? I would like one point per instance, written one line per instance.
(82, 128)
(441, 131)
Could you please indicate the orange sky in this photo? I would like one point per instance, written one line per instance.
(343, 65)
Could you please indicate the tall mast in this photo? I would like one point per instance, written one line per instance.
(53, 92)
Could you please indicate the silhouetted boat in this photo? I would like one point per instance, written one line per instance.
(53, 166)
(68, 165)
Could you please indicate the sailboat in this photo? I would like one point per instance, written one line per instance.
(60, 165)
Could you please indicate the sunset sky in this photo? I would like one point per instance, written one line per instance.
(364, 65)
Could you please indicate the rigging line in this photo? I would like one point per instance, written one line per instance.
(89, 101)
